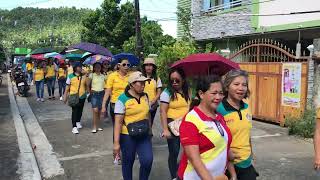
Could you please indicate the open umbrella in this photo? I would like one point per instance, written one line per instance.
(92, 48)
(133, 60)
(53, 55)
(96, 58)
(42, 51)
(205, 64)
(37, 56)
(73, 57)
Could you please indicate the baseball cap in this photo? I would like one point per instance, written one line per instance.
(137, 76)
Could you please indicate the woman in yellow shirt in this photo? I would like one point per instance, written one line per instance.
(132, 112)
(51, 78)
(238, 118)
(76, 83)
(152, 87)
(30, 67)
(116, 84)
(62, 77)
(38, 76)
(95, 85)
(174, 105)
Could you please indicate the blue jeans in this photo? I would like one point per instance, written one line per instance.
(40, 88)
(96, 99)
(129, 147)
(50, 85)
(62, 86)
(30, 77)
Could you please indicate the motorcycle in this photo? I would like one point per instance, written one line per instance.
(21, 82)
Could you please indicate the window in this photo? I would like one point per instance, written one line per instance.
(219, 5)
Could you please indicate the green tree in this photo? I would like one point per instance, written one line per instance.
(110, 26)
(170, 54)
(153, 38)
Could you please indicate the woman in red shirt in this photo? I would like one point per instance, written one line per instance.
(204, 135)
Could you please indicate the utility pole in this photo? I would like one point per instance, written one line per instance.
(139, 41)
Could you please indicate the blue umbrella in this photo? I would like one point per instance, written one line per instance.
(133, 60)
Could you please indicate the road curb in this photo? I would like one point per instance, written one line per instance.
(28, 167)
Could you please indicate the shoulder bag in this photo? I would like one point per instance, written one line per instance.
(74, 98)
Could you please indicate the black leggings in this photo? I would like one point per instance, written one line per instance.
(77, 112)
(174, 148)
(248, 173)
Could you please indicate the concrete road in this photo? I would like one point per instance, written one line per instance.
(9, 150)
(88, 156)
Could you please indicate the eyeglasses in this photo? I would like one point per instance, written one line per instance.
(126, 65)
(175, 81)
(220, 129)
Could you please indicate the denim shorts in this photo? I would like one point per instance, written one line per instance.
(96, 99)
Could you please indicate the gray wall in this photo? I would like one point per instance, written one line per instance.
(210, 27)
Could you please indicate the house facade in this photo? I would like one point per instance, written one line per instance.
(232, 22)
(264, 36)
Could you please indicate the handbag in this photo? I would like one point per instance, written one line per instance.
(174, 126)
(139, 128)
(74, 98)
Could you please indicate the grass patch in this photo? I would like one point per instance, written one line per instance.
(303, 125)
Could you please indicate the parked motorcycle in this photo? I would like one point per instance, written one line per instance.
(21, 82)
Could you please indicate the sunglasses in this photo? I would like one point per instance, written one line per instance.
(218, 124)
(175, 81)
(125, 64)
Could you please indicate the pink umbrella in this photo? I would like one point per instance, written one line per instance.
(205, 63)
(38, 56)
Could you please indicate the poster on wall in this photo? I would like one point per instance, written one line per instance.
(291, 84)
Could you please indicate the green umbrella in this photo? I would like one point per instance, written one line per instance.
(42, 51)
(73, 57)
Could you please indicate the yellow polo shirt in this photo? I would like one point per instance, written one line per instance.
(50, 72)
(133, 109)
(178, 107)
(73, 81)
(240, 125)
(97, 81)
(38, 74)
(62, 73)
(117, 84)
(151, 88)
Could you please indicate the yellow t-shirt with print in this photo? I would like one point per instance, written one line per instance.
(133, 109)
(62, 73)
(117, 84)
(73, 81)
(50, 71)
(29, 66)
(151, 88)
(240, 125)
(38, 74)
(178, 107)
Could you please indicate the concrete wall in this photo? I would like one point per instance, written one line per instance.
(316, 90)
(211, 26)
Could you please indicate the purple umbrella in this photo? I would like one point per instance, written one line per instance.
(92, 48)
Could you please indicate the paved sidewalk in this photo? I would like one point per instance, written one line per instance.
(88, 156)
(9, 150)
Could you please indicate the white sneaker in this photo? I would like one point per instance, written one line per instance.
(79, 126)
(94, 131)
(38, 99)
(42, 100)
(61, 99)
(75, 130)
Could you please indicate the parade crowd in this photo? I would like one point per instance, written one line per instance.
(210, 121)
